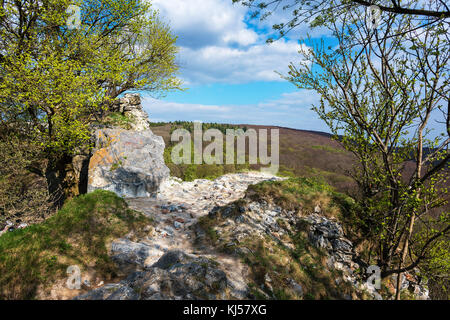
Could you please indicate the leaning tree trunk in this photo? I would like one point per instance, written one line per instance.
(403, 256)
(412, 219)
(61, 180)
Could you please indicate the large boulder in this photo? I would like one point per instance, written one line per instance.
(129, 163)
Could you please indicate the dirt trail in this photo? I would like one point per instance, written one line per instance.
(177, 207)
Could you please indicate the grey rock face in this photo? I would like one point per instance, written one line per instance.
(262, 219)
(125, 252)
(129, 163)
(119, 291)
(174, 276)
(327, 234)
(172, 258)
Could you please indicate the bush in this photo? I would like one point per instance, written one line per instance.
(23, 189)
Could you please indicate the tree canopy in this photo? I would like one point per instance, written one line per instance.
(54, 78)
(380, 88)
(314, 12)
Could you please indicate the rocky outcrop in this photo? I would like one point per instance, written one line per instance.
(129, 163)
(129, 255)
(150, 261)
(260, 219)
(175, 276)
(130, 106)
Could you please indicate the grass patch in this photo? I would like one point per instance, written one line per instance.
(302, 194)
(207, 225)
(306, 265)
(118, 119)
(77, 235)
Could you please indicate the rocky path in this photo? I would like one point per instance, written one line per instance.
(169, 262)
(175, 209)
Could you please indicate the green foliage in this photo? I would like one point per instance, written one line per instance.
(190, 172)
(118, 119)
(302, 194)
(189, 126)
(377, 92)
(58, 78)
(77, 235)
(158, 124)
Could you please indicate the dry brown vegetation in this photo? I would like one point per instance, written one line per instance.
(302, 154)
(23, 188)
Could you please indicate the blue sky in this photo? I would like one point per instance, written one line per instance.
(229, 70)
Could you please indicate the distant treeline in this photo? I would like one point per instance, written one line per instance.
(189, 126)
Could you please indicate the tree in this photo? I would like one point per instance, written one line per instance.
(54, 79)
(315, 11)
(379, 89)
(376, 90)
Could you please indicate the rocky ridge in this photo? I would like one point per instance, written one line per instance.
(176, 260)
(175, 210)
(251, 219)
(128, 162)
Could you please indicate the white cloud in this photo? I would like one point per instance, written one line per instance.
(238, 65)
(217, 46)
(293, 100)
(199, 23)
(156, 105)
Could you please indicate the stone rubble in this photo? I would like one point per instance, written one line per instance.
(175, 210)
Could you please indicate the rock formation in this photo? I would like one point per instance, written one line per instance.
(176, 275)
(175, 262)
(128, 162)
(130, 106)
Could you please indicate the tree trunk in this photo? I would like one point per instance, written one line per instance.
(403, 256)
(412, 219)
(57, 176)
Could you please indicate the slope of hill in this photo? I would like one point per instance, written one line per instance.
(302, 153)
(282, 238)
